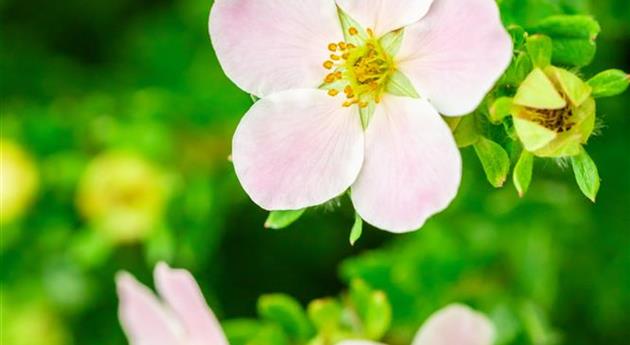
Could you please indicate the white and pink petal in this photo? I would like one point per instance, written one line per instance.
(412, 167)
(456, 324)
(298, 148)
(456, 53)
(384, 16)
(143, 318)
(182, 294)
(274, 45)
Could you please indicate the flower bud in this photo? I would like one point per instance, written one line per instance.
(553, 112)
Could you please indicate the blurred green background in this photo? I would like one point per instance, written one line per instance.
(116, 130)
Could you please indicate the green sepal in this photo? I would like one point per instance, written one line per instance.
(519, 69)
(287, 313)
(399, 85)
(540, 49)
(537, 91)
(500, 109)
(464, 129)
(348, 22)
(373, 309)
(240, 331)
(254, 98)
(518, 35)
(522, 175)
(325, 314)
(586, 174)
(357, 229)
(609, 83)
(278, 220)
(391, 41)
(366, 114)
(494, 159)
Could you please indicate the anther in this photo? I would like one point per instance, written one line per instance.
(343, 45)
(335, 57)
(333, 92)
(329, 64)
(332, 47)
(353, 31)
(370, 32)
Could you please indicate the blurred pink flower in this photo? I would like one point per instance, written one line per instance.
(301, 146)
(180, 317)
(453, 325)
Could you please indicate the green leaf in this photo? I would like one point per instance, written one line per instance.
(269, 334)
(287, 313)
(570, 26)
(400, 85)
(540, 50)
(518, 70)
(464, 129)
(586, 174)
(500, 109)
(325, 314)
(522, 175)
(573, 38)
(494, 159)
(391, 42)
(240, 331)
(348, 22)
(357, 229)
(281, 219)
(373, 309)
(609, 83)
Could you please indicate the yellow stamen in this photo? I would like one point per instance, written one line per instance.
(329, 64)
(353, 31)
(332, 47)
(333, 92)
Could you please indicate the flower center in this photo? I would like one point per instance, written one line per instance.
(360, 72)
(558, 120)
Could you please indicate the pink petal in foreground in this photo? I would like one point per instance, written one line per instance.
(456, 324)
(142, 316)
(268, 46)
(297, 149)
(384, 16)
(412, 166)
(456, 53)
(179, 289)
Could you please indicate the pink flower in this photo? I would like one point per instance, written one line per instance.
(453, 325)
(180, 317)
(353, 106)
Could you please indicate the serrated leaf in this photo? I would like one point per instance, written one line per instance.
(287, 313)
(391, 41)
(609, 83)
(278, 220)
(519, 69)
(586, 174)
(573, 52)
(357, 229)
(399, 85)
(540, 50)
(522, 176)
(494, 159)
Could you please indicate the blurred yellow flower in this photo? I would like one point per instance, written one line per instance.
(123, 196)
(31, 324)
(19, 181)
